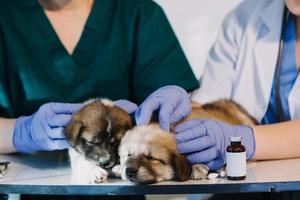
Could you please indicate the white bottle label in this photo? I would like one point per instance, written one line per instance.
(236, 164)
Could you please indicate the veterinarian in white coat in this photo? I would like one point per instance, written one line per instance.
(243, 66)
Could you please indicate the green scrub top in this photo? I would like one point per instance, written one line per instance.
(127, 50)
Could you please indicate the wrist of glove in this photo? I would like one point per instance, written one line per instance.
(205, 141)
(22, 126)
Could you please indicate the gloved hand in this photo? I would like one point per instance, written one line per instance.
(172, 102)
(44, 129)
(205, 141)
(126, 105)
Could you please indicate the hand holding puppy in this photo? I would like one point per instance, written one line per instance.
(44, 129)
(205, 141)
(172, 102)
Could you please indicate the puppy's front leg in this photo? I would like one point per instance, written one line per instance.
(84, 171)
(116, 171)
(199, 171)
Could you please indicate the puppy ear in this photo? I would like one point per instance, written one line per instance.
(73, 131)
(182, 167)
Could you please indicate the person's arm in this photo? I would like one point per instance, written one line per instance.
(6, 125)
(6, 135)
(285, 135)
(277, 141)
(205, 141)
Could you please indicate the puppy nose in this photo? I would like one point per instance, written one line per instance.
(104, 163)
(131, 172)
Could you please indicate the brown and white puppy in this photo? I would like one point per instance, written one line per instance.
(94, 134)
(150, 155)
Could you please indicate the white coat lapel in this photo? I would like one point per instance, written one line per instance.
(267, 45)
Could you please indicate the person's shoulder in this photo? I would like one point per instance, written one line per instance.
(248, 10)
(139, 3)
(131, 10)
(143, 6)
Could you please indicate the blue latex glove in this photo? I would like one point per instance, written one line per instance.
(126, 105)
(172, 102)
(205, 141)
(44, 129)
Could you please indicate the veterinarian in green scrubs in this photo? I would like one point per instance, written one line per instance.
(71, 50)
(127, 50)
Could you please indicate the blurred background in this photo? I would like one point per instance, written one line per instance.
(196, 24)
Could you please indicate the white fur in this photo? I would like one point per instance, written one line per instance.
(106, 102)
(108, 129)
(84, 171)
(116, 171)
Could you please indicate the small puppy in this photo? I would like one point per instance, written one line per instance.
(150, 155)
(94, 134)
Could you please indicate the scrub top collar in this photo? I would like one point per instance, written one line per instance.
(96, 26)
(102, 8)
(93, 36)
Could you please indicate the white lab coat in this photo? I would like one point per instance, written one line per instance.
(242, 62)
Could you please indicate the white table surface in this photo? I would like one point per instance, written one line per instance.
(49, 173)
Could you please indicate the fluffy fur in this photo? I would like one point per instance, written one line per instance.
(150, 155)
(94, 134)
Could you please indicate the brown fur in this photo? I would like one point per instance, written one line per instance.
(152, 153)
(96, 130)
(182, 167)
(161, 146)
(88, 132)
(223, 110)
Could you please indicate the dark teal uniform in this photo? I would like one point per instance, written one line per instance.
(127, 50)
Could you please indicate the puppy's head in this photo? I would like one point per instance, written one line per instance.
(96, 130)
(149, 155)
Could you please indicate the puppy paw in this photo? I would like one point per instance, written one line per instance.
(116, 171)
(98, 175)
(199, 172)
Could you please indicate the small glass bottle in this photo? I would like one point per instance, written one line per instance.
(236, 161)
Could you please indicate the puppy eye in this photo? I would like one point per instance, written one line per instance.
(129, 155)
(90, 143)
(150, 158)
(154, 160)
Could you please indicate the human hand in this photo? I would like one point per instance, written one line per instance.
(126, 105)
(172, 102)
(205, 141)
(44, 129)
